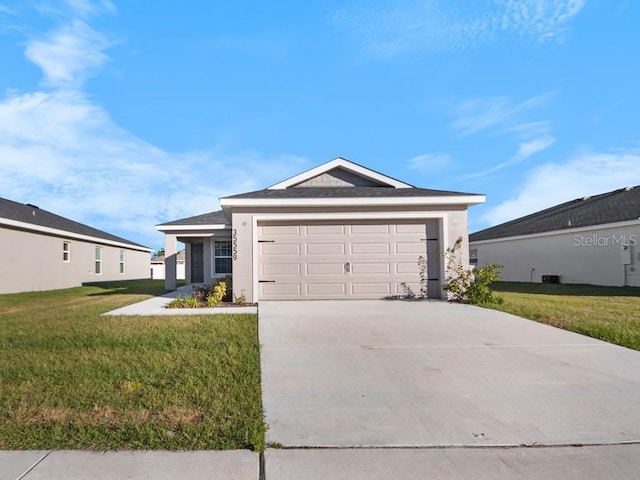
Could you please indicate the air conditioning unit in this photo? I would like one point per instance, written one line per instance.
(550, 278)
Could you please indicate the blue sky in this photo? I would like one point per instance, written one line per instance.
(123, 115)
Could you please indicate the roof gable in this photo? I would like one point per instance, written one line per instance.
(340, 170)
(617, 206)
(338, 177)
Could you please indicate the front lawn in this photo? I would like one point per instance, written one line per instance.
(72, 379)
(608, 313)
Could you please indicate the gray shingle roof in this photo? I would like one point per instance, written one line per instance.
(616, 206)
(212, 218)
(344, 192)
(33, 215)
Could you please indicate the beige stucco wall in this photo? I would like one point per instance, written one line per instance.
(594, 256)
(451, 220)
(34, 262)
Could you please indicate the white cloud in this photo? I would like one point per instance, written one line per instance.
(541, 19)
(66, 155)
(430, 163)
(500, 115)
(442, 25)
(554, 183)
(478, 114)
(61, 151)
(525, 150)
(528, 148)
(68, 55)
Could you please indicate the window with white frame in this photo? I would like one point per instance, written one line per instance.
(66, 252)
(97, 269)
(122, 256)
(473, 256)
(222, 257)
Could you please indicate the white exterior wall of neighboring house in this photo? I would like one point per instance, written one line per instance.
(35, 261)
(598, 255)
(158, 270)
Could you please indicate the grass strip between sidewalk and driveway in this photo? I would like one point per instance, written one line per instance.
(72, 379)
(611, 314)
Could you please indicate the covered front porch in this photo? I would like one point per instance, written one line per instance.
(208, 249)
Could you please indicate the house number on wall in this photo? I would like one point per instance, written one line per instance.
(234, 244)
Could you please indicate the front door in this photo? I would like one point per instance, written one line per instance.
(197, 263)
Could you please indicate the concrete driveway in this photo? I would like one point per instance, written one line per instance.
(434, 374)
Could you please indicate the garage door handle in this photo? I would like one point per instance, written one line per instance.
(347, 267)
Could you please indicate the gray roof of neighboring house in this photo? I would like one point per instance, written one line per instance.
(345, 192)
(616, 206)
(212, 218)
(34, 215)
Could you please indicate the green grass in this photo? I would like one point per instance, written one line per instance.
(608, 313)
(71, 379)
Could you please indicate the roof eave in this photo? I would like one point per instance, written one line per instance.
(65, 233)
(468, 200)
(182, 228)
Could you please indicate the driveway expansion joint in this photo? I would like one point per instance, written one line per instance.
(454, 446)
(30, 469)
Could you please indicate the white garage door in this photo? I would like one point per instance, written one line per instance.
(325, 261)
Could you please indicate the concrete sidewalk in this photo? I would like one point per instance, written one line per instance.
(133, 465)
(610, 462)
(156, 306)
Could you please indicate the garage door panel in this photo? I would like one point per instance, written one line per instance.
(370, 229)
(410, 228)
(406, 268)
(313, 230)
(370, 269)
(403, 248)
(374, 289)
(325, 248)
(276, 249)
(369, 248)
(326, 289)
(324, 269)
(280, 290)
(290, 269)
(279, 230)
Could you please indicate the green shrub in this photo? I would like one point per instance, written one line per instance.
(470, 285)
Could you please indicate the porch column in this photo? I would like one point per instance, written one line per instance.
(170, 261)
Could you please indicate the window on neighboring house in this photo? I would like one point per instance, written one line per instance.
(66, 251)
(122, 261)
(98, 261)
(473, 256)
(222, 257)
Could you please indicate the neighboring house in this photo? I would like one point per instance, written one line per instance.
(44, 251)
(336, 231)
(157, 266)
(591, 240)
